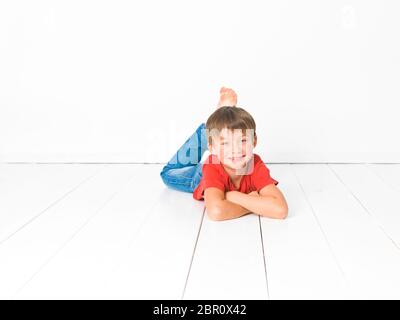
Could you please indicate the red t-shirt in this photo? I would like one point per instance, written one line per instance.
(214, 175)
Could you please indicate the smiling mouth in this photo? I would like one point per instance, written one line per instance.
(237, 158)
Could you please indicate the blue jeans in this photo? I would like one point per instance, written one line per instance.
(184, 171)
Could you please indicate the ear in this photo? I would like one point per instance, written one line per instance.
(255, 141)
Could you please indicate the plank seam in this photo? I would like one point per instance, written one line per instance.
(381, 178)
(319, 225)
(122, 186)
(371, 216)
(50, 206)
(264, 257)
(194, 251)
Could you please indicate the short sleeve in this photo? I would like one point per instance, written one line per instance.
(261, 176)
(212, 177)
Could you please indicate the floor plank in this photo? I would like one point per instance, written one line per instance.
(369, 259)
(116, 231)
(228, 262)
(82, 269)
(378, 198)
(157, 262)
(24, 254)
(389, 173)
(300, 263)
(28, 190)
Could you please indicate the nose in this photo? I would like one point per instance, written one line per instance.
(239, 153)
(237, 149)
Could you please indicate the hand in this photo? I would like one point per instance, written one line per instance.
(228, 97)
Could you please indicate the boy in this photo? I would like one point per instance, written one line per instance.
(233, 181)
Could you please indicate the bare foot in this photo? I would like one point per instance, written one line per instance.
(228, 97)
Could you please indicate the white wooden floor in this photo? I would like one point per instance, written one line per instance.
(114, 231)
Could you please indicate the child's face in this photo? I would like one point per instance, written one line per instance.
(234, 148)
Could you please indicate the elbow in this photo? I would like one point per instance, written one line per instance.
(214, 213)
(282, 212)
(282, 215)
(279, 212)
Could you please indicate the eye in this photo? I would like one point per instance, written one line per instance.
(224, 143)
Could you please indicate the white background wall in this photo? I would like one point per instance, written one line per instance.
(131, 80)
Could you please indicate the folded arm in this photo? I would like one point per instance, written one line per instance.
(219, 208)
(226, 210)
(269, 202)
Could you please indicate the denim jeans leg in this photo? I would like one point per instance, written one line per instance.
(182, 179)
(197, 175)
(183, 171)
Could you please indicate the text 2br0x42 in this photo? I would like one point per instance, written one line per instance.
(206, 309)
